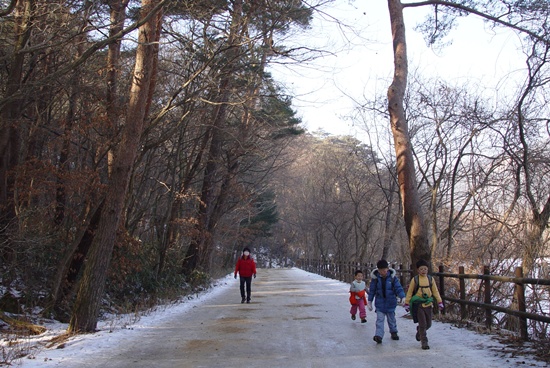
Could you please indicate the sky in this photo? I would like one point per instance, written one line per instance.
(448, 342)
(361, 62)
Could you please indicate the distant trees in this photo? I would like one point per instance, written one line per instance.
(332, 205)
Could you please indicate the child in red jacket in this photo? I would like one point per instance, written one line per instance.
(246, 268)
(358, 298)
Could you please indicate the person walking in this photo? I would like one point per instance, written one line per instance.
(246, 268)
(357, 297)
(421, 294)
(386, 291)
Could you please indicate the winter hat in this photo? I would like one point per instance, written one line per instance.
(421, 263)
(246, 249)
(382, 264)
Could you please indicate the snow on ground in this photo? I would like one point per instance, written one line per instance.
(128, 328)
(111, 331)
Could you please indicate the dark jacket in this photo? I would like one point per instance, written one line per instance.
(385, 291)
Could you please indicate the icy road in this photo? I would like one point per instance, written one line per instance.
(295, 319)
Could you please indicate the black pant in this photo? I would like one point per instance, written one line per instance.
(248, 281)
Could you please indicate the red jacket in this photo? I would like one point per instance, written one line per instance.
(245, 267)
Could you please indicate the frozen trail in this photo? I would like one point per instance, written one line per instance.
(296, 319)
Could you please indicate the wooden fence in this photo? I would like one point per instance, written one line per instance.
(344, 272)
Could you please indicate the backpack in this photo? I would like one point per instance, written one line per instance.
(417, 286)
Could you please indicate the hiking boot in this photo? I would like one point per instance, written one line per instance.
(425, 346)
(247, 301)
(353, 317)
(394, 336)
(242, 300)
(417, 336)
(378, 339)
(363, 320)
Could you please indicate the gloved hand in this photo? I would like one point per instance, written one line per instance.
(441, 306)
(399, 300)
(369, 306)
(235, 276)
(406, 306)
(254, 275)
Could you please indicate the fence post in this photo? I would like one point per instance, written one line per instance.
(462, 283)
(487, 286)
(520, 297)
(442, 285)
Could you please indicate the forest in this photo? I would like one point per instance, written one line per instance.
(144, 143)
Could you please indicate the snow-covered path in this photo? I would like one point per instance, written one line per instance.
(296, 319)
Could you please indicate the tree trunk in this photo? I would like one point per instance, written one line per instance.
(71, 266)
(389, 234)
(534, 247)
(85, 312)
(412, 208)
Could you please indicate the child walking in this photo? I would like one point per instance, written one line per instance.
(420, 296)
(358, 298)
(386, 291)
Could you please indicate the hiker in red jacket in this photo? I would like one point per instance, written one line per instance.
(246, 269)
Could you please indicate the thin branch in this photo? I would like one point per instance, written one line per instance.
(478, 13)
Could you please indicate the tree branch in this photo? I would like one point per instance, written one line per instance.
(89, 52)
(479, 14)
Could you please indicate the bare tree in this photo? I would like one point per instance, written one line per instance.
(532, 153)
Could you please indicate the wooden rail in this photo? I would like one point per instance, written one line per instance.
(344, 272)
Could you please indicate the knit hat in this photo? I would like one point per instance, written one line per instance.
(382, 264)
(246, 249)
(421, 263)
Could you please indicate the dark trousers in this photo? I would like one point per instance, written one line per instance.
(248, 282)
(424, 322)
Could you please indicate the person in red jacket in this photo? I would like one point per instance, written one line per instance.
(246, 268)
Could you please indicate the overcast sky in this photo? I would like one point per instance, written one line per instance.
(361, 62)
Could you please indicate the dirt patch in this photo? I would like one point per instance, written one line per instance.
(232, 329)
(233, 320)
(300, 305)
(200, 345)
(304, 318)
